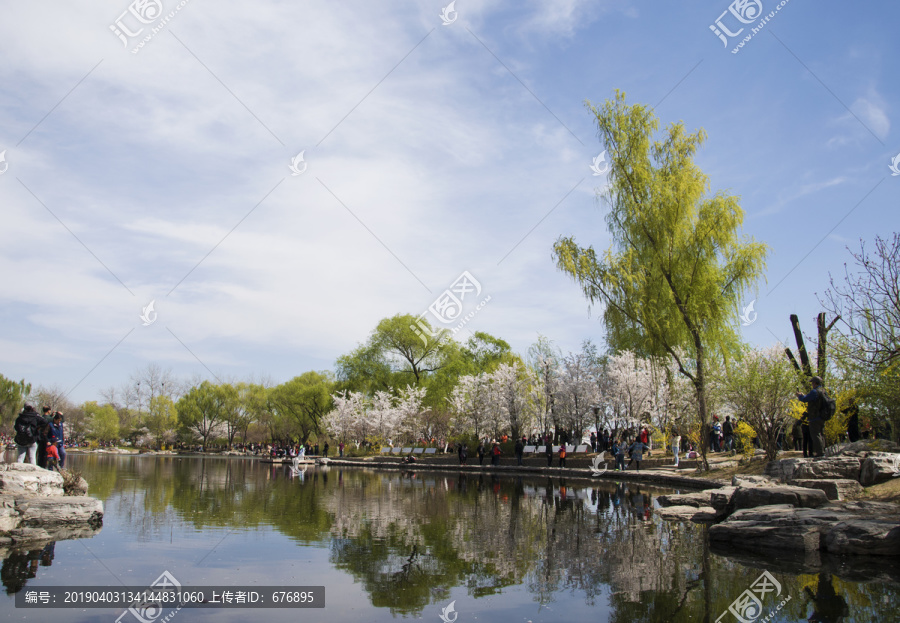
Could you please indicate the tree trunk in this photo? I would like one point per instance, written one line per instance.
(700, 385)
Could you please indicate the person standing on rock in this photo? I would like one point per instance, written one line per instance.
(562, 455)
(814, 400)
(27, 427)
(495, 454)
(57, 438)
(480, 453)
(549, 450)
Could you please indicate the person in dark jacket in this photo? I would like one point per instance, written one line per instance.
(27, 427)
(481, 453)
(637, 452)
(549, 450)
(814, 400)
(520, 450)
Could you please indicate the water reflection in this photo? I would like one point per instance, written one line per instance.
(19, 566)
(415, 540)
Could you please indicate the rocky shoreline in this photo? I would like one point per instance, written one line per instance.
(804, 507)
(35, 509)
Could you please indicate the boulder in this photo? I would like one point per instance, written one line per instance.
(54, 511)
(696, 499)
(854, 528)
(864, 446)
(9, 516)
(828, 468)
(751, 497)
(867, 537)
(720, 499)
(20, 478)
(687, 513)
(879, 467)
(770, 528)
(838, 490)
(751, 481)
(783, 470)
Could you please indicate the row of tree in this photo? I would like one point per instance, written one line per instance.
(670, 287)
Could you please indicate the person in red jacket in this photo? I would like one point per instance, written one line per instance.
(52, 457)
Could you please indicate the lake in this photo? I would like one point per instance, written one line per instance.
(434, 546)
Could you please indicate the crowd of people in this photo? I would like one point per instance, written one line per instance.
(40, 438)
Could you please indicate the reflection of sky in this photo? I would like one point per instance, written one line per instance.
(134, 548)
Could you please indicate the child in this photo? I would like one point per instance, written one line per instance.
(52, 457)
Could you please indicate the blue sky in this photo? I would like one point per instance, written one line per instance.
(162, 174)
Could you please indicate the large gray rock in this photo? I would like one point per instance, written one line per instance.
(720, 499)
(865, 446)
(19, 478)
(687, 513)
(838, 490)
(751, 497)
(695, 499)
(770, 528)
(854, 528)
(741, 480)
(54, 511)
(783, 470)
(878, 467)
(829, 468)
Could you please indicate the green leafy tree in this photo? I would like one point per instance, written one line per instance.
(672, 280)
(12, 397)
(759, 387)
(395, 355)
(204, 409)
(103, 421)
(304, 400)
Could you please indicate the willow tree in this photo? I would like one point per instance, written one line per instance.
(672, 279)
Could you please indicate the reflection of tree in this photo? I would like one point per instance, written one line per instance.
(410, 538)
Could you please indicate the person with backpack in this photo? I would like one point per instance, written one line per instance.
(27, 427)
(820, 408)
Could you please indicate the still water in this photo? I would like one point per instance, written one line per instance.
(437, 547)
